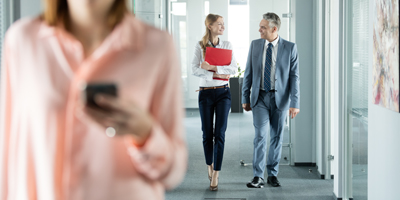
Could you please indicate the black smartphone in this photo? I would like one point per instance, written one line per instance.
(92, 89)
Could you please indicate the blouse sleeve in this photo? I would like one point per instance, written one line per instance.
(196, 69)
(5, 118)
(229, 69)
(163, 157)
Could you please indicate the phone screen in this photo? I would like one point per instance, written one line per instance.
(92, 89)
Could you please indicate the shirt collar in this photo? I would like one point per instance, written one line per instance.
(219, 42)
(274, 43)
(125, 35)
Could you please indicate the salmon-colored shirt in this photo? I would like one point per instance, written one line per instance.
(49, 151)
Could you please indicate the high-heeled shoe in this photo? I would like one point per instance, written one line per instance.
(214, 179)
(214, 188)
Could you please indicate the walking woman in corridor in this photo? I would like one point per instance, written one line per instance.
(214, 96)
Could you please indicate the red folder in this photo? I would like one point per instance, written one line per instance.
(218, 57)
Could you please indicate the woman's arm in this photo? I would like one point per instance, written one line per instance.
(196, 65)
(294, 78)
(248, 77)
(163, 157)
(154, 136)
(5, 118)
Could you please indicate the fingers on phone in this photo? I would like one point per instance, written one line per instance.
(107, 101)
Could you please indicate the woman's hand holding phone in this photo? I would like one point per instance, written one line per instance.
(127, 118)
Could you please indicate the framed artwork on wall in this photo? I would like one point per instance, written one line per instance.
(385, 72)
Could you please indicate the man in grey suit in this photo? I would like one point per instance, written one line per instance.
(272, 73)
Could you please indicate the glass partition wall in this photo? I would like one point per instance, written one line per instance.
(357, 87)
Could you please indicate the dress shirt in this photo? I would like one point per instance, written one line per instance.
(51, 151)
(273, 67)
(206, 77)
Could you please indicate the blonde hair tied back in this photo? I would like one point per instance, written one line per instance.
(210, 19)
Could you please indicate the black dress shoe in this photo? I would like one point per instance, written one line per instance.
(257, 182)
(273, 181)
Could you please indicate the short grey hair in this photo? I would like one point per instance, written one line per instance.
(273, 19)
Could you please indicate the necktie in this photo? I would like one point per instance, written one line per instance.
(267, 70)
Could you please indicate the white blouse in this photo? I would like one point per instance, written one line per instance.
(207, 76)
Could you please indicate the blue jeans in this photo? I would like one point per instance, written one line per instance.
(216, 101)
(267, 118)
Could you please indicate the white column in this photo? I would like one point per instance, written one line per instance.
(195, 31)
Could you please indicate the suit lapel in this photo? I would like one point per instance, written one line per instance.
(281, 48)
(257, 68)
(261, 46)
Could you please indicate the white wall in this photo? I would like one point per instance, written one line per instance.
(303, 123)
(383, 143)
(30, 7)
(260, 7)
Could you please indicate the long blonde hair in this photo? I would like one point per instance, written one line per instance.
(210, 19)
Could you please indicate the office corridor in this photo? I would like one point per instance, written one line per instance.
(299, 183)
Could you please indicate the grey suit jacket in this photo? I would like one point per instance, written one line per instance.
(287, 79)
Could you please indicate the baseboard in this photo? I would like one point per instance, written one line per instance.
(305, 164)
(336, 198)
(192, 109)
(322, 176)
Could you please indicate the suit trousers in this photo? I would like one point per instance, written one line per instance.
(216, 101)
(267, 118)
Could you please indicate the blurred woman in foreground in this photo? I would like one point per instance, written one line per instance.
(53, 146)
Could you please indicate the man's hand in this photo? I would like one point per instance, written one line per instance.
(246, 106)
(293, 112)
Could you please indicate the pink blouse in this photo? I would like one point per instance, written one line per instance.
(49, 151)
